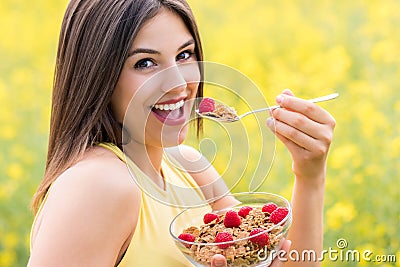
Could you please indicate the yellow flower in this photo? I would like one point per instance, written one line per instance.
(7, 258)
(394, 148)
(340, 214)
(345, 156)
(21, 153)
(7, 132)
(383, 51)
(14, 171)
(10, 240)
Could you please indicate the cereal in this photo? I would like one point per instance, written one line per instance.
(240, 253)
(222, 112)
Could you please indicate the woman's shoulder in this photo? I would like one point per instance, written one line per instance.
(99, 180)
(98, 169)
(92, 207)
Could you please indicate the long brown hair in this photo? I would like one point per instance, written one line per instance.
(94, 42)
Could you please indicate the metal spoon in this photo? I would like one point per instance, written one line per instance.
(313, 100)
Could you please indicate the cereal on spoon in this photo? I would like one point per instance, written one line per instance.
(208, 107)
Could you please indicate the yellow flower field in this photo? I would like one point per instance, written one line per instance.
(312, 47)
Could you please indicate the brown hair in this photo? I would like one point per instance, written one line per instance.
(95, 38)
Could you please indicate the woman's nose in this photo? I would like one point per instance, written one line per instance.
(173, 79)
(177, 77)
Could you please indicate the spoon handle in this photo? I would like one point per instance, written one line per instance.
(313, 100)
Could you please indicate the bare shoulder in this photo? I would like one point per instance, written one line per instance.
(91, 210)
(98, 176)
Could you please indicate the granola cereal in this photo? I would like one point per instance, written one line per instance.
(241, 252)
(222, 112)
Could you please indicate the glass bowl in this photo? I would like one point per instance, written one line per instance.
(248, 248)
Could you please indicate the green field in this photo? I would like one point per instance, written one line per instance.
(312, 47)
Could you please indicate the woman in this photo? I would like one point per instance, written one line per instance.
(89, 211)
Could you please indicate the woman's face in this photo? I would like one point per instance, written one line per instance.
(158, 83)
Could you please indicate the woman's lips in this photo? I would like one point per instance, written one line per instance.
(169, 106)
(170, 113)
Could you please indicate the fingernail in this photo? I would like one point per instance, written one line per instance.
(219, 263)
(279, 99)
(270, 122)
(288, 91)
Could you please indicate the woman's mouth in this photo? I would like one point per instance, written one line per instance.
(170, 112)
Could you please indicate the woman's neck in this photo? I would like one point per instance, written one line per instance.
(148, 159)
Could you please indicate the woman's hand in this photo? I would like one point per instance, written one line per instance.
(219, 261)
(306, 130)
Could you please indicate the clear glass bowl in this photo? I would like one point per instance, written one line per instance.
(241, 251)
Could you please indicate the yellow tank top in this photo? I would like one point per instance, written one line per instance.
(151, 244)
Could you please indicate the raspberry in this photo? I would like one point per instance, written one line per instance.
(278, 215)
(269, 207)
(210, 217)
(262, 239)
(244, 211)
(207, 105)
(187, 237)
(232, 219)
(224, 237)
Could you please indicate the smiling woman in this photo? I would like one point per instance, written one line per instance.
(158, 52)
(87, 198)
(127, 76)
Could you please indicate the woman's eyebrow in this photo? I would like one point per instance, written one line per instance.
(190, 42)
(155, 52)
(144, 51)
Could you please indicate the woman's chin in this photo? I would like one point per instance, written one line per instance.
(182, 134)
(177, 140)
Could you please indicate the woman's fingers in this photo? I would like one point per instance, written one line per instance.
(277, 129)
(218, 260)
(302, 122)
(288, 92)
(299, 122)
(316, 143)
(305, 107)
(286, 247)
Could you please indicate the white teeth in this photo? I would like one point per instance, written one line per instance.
(170, 106)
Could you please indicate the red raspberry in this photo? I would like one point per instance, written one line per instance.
(244, 211)
(269, 207)
(262, 239)
(224, 237)
(207, 105)
(278, 215)
(210, 217)
(186, 237)
(232, 219)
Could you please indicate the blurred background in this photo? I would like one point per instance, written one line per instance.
(312, 47)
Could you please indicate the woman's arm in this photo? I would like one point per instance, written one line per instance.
(90, 212)
(306, 130)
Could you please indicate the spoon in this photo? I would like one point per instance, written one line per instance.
(239, 117)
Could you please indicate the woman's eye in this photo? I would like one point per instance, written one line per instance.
(184, 55)
(144, 64)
